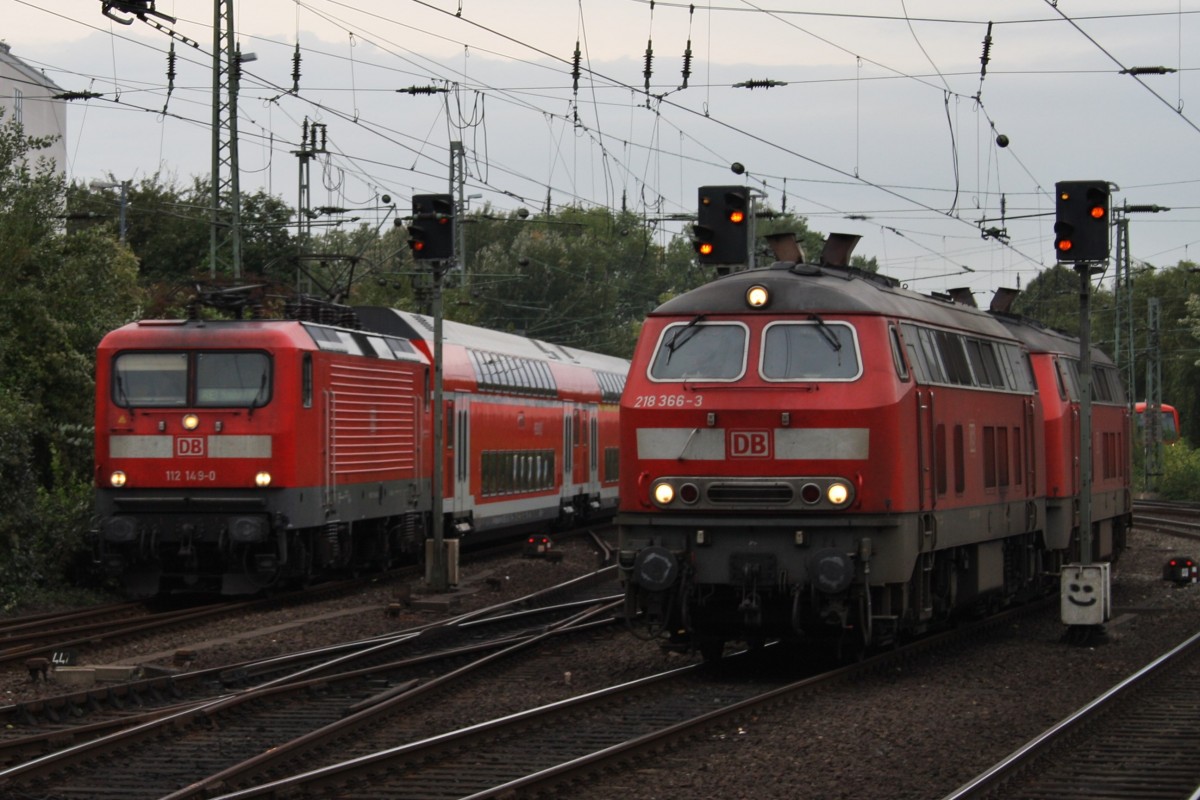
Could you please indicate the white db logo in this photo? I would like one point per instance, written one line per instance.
(750, 444)
(189, 446)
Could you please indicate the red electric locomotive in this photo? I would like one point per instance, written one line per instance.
(234, 455)
(813, 453)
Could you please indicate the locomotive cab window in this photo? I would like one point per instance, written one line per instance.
(700, 351)
(233, 379)
(813, 350)
(150, 380)
(239, 379)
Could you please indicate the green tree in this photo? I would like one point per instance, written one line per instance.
(1178, 341)
(59, 293)
(168, 228)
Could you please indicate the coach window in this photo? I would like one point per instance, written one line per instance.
(1069, 375)
(233, 379)
(813, 350)
(150, 379)
(954, 358)
(916, 356)
(697, 351)
(932, 359)
(982, 356)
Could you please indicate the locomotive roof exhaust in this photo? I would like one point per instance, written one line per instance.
(838, 249)
(785, 247)
(1003, 299)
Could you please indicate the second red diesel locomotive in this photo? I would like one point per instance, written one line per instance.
(812, 452)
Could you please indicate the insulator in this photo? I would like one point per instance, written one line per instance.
(575, 66)
(987, 52)
(765, 83)
(649, 70)
(687, 64)
(171, 67)
(296, 69)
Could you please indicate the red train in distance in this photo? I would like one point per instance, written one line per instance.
(1170, 421)
(814, 453)
(236, 455)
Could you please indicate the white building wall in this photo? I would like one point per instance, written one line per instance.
(25, 93)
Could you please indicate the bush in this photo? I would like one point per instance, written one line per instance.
(1181, 473)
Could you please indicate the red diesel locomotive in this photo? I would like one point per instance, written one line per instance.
(814, 453)
(234, 455)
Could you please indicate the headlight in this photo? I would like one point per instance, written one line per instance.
(838, 493)
(664, 493)
(757, 296)
(190, 422)
(117, 479)
(262, 480)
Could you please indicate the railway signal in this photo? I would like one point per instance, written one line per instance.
(431, 234)
(1081, 221)
(722, 225)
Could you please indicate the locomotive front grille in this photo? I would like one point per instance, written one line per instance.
(767, 494)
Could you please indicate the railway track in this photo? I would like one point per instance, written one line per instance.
(78, 632)
(39, 640)
(1174, 519)
(184, 741)
(1140, 739)
(545, 748)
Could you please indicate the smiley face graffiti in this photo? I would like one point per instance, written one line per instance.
(1081, 594)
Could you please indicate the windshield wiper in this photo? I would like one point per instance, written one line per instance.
(122, 397)
(262, 389)
(678, 340)
(828, 335)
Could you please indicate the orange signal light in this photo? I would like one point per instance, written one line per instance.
(737, 216)
(706, 248)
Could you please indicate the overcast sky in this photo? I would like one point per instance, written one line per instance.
(885, 128)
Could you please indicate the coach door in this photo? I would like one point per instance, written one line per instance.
(568, 451)
(593, 453)
(458, 437)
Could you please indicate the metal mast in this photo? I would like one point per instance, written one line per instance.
(225, 242)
